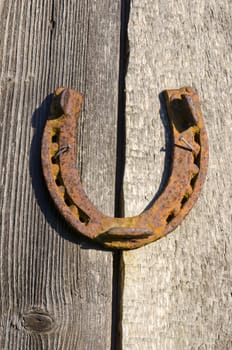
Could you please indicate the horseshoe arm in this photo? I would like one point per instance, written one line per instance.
(189, 161)
(189, 165)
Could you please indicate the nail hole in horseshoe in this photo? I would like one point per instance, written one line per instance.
(184, 200)
(59, 180)
(170, 217)
(197, 137)
(197, 160)
(182, 118)
(83, 217)
(67, 200)
(55, 134)
(54, 160)
(192, 182)
(54, 138)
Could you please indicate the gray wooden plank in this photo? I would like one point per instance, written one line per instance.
(56, 288)
(177, 291)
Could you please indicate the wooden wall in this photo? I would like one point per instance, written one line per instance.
(56, 289)
(178, 291)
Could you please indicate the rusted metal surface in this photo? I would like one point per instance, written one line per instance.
(189, 166)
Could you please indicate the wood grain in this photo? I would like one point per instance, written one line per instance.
(56, 288)
(177, 291)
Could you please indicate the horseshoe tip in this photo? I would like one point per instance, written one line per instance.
(65, 101)
(60, 90)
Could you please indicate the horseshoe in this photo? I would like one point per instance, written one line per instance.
(188, 172)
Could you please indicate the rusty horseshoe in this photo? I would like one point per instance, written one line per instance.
(188, 172)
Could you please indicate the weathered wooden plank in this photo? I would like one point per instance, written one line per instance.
(177, 291)
(56, 289)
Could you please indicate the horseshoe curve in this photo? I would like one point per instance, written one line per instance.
(188, 172)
